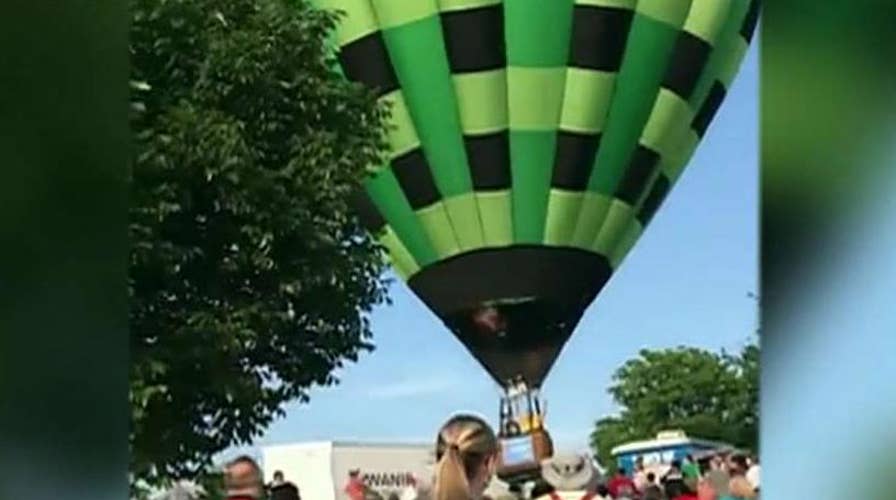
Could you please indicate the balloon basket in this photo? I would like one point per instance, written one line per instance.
(524, 441)
(521, 456)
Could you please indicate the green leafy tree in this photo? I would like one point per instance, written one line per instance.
(250, 280)
(745, 404)
(705, 394)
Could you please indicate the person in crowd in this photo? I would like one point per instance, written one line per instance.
(512, 428)
(466, 457)
(673, 480)
(603, 493)
(541, 488)
(705, 491)
(725, 459)
(689, 468)
(685, 493)
(242, 479)
(515, 489)
(279, 479)
(739, 489)
(355, 488)
(673, 472)
(717, 477)
(753, 472)
(652, 490)
(621, 486)
(737, 465)
(692, 475)
(681, 488)
(704, 488)
(283, 490)
(639, 477)
(573, 477)
(703, 465)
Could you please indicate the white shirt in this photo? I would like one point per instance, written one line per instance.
(409, 493)
(640, 480)
(568, 495)
(753, 475)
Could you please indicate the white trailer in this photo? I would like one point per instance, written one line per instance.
(320, 469)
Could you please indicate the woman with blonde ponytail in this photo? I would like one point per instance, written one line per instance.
(466, 454)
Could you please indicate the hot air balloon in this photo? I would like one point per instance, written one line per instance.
(531, 142)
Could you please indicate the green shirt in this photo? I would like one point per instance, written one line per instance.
(690, 470)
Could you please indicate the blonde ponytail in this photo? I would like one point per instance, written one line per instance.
(451, 477)
(464, 445)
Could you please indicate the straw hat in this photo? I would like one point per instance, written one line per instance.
(569, 472)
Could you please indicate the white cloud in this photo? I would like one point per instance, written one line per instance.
(412, 387)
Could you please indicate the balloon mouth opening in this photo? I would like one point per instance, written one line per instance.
(519, 339)
(513, 308)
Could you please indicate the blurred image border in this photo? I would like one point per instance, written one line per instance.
(827, 122)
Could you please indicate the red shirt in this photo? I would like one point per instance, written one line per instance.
(686, 496)
(705, 491)
(355, 489)
(621, 485)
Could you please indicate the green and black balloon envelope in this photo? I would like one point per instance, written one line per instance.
(531, 143)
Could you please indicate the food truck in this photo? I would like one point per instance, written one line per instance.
(658, 453)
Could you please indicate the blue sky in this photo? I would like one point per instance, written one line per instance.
(685, 283)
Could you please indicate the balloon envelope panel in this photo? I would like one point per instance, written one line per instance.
(531, 142)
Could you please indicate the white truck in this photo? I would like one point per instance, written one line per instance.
(321, 469)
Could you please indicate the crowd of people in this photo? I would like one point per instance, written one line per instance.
(467, 456)
(713, 476)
